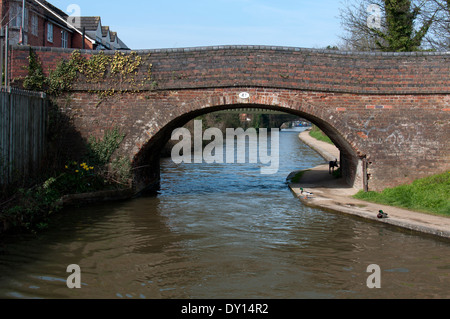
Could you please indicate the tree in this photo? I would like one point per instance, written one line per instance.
(385, 25)
(354, 19)
(438, 37)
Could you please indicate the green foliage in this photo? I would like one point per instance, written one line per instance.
(319, 135)
(121, 167)
(79, 178)
(94, 69)
(101, 150)
(35, 80)
(431, 194)
(126, 64)
(61, 79)
(118, 69)
(33, 206)
(115, 170)
(400, 35)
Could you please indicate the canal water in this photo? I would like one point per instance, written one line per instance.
(223, 231)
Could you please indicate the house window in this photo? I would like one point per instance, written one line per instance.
(64, 39)
(34, 24)
(15, 15)
(50, 32)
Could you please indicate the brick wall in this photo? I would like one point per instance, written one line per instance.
(49, 58)
(300, 69)
(400, 144)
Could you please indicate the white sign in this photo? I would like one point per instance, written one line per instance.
(244, 95)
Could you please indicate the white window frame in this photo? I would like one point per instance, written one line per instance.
(64, 39)
(34, 24)
(50, 32)
(16, 15)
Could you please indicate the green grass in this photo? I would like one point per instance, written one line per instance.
(319, 135)
(428, 195)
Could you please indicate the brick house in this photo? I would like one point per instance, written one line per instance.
(46, 25)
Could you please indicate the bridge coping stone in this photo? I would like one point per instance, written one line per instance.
(239, 47)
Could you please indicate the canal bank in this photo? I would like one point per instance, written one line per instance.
(334, 195)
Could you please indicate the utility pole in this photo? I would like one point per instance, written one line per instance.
(6, 43)
(22, 31)
(2, 40)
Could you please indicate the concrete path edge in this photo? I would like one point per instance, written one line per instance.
(332, 195)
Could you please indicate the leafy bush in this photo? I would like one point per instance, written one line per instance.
(61, 78)
(79, 178)
(32, 207)
(35, 80)
(101, 150)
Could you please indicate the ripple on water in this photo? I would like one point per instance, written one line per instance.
(223, 231)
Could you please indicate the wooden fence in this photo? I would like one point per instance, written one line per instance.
(23, 130)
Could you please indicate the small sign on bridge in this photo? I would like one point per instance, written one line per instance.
(244, 95)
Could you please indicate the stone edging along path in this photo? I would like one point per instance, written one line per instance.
(333, 195)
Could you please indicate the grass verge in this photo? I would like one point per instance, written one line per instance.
(319, 135)
(428, 195)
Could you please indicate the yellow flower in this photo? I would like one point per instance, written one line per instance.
(67, 166)
(76, 171)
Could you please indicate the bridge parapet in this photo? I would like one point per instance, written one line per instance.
(263, 66)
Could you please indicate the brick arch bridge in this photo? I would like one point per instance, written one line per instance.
(388, 113)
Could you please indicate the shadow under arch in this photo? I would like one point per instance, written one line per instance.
(146, 163)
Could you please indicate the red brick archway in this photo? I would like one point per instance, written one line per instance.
(146, 158)
(389, 113)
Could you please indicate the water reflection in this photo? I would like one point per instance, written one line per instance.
(223, 231)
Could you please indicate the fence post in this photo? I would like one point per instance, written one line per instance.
(6, 56)
(2, 39)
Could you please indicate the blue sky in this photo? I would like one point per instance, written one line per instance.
(191, 23)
